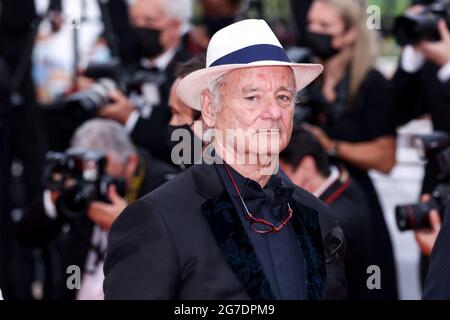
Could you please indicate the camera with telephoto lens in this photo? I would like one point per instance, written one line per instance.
(79, 175)
(87, 102)
(411, 29)
(108, 77)
(416, 216)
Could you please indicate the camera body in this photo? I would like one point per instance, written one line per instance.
(416, 216)
(90, 100)
(87, 102)
(410, 29)
(108, 77)
(80, 177)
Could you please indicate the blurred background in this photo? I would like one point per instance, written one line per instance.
(66, 64)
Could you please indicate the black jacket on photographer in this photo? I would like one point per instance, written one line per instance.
(66, 243)
(436, 283)
(417, 93)
(148, 124)
(419, 88)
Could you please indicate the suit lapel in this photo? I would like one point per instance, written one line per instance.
(230, 234)
(236, 246)
(307, 229)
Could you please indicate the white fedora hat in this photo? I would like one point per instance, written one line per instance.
(244, 44)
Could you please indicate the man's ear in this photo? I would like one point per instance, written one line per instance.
(208, 109)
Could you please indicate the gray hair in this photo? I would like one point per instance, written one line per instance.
(179, 9)
(106, 136)
(214, 90)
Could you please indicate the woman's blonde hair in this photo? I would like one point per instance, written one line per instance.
(365, 48)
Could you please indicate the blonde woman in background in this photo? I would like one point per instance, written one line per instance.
(354, 126)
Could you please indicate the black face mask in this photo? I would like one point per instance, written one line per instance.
(147, 42)
(321, 45)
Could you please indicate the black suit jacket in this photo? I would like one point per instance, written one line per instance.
(184, 240)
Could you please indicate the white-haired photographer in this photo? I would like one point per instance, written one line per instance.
(421, 84)
(158, 31)
(87, 188)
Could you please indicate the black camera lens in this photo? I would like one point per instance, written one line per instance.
(411, 28)
(89, 101)
(74, 202)
(414, 216)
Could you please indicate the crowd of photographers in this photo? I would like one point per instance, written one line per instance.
(70, 166)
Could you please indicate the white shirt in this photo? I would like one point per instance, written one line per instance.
(161, 63)
(334, 175)
(92, 278)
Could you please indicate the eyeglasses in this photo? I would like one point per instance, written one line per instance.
(258, 225)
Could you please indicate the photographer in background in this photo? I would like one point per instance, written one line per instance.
(421, 85)
(157, 28)
(58, 222)
(306, 164)
(353, 127)
(185, 125)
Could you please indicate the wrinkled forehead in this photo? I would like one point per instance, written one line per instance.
(264, 77)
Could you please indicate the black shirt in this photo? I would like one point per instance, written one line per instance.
(280, 253)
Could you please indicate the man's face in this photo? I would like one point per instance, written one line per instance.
(259, 101)
(150, 14)
(325, 19)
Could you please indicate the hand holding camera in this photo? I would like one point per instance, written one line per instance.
(119, 109)
(79, 185)
(417, 216)
(438, 52)
(427, 237)
(104, 214)
(426, 28)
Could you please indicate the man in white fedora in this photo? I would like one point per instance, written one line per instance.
(230, 227)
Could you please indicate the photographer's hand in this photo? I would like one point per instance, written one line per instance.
(426, 238)
(104, 214)
(438, 52)
(119, 110)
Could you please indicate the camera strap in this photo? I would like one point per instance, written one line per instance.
(134, 188)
